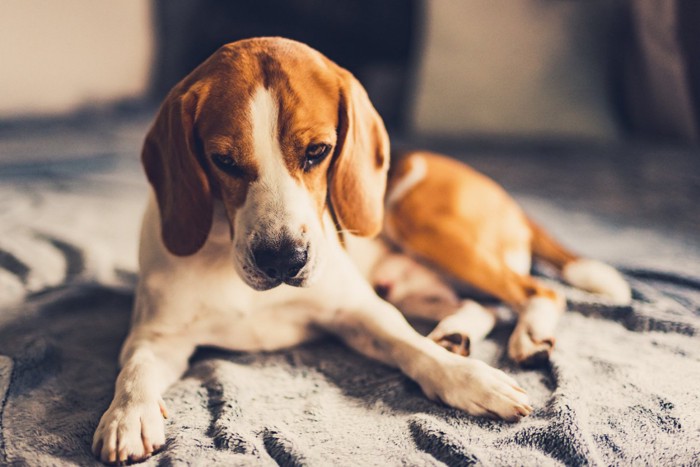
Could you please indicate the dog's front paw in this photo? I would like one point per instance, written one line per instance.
(458, 331)
(478, 389)
(130, 432)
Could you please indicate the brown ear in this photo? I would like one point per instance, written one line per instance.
(172, 166)
(360, 163)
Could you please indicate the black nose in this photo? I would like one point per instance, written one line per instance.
(283, 261)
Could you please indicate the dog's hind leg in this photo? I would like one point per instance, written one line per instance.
(584, 273)
(539, 306)
(532, 340)
(420, 293)
(467, 326)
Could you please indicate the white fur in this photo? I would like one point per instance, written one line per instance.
(207, 299)
(594, 276)
(416, 173)
(263, 215)
(367, 253)
(412, 287)
(471, 320)
(534, 332)
(541, 317)
(519, 261)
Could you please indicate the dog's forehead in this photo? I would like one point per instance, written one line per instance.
(302, 82)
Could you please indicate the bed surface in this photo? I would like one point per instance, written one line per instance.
(622, 386)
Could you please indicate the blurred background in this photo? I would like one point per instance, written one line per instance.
(591, 106)
(532, 69)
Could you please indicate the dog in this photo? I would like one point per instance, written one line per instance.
(269, 168)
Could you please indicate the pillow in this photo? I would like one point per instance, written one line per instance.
(526, 68)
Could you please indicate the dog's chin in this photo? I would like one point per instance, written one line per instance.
(299, 282)
(257, 280)
(253, 277)
(261, 282)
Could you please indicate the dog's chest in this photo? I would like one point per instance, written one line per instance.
(255, 321)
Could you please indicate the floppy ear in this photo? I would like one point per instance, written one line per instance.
(172, 166)
(359, 169)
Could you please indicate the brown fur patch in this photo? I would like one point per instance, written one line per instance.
(464, 223)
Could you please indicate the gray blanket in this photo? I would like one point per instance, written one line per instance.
(623, 386)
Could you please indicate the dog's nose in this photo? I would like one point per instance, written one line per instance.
(282, 262)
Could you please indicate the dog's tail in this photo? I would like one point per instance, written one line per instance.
(583, 273)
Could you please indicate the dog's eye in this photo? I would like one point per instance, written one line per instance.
(227, 164)
(315, 153)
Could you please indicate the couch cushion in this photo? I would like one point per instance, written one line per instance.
(525, 69)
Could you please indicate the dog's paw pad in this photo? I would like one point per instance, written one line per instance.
(454, 342)
(528, 351)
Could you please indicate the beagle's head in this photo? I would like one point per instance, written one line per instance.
(280, 135)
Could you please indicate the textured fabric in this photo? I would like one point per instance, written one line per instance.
(622, 387)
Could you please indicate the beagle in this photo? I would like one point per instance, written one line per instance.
(268, 167)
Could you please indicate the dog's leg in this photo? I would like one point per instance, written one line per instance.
(378, 330)
(132, 428)
(465, 327)
(421, 293)
(539, 307)
(532, 340)
(460, 326)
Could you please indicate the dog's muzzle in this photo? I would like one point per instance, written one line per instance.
(282, 261)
